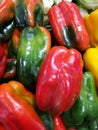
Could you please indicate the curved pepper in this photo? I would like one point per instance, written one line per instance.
(16, 108)
(68, 25)
(35, 43)
(85, 109)
(7, 10)
(90, 58)
(6, 30)
(92, 27)
(3, 59)
(29, 13)
(59, 80)
(58, 123)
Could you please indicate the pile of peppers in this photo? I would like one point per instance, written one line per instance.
(48, 66)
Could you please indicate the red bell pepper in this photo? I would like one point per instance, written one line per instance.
(58, 123)
(3, 59)
(1, 127)
(59, 80)
(16, 108)
(68, 26)
(7, 10)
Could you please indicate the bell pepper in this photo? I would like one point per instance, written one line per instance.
(29, 13)
(16, 108)
(7, 8)
(58, 123)
(85, 109)
(91, 126)
(68, 26)
(92, 27)
(35, 44)
(14, 43)
(6, 30)
(90, 58)
(59, 80)
(3, 59)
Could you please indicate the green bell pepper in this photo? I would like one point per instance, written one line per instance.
(35, 43)
(90, 126)
(85, 109)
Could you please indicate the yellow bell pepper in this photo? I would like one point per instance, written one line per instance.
(91, 22)
(90, 58)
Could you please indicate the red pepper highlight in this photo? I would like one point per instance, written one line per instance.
(58, 123)
(59, 80)
(16, 108)
(68, 26)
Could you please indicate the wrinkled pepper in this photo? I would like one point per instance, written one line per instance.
(59, 80)
(35, 44)
(29, 13)
(92, 27)
(7, 8)
(68, 25)
(3, 59)
(85, 109)
(90, 58)
(16, 108)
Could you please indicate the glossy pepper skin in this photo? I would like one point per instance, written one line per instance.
(90, 58)
(7, 24)
(58, 123)
(7, 8)
(29, 13)
(85, 109)
(92, 27)
(3, 60)
(35, 44)
(6, 30)
(59, 80)
(68, 26)
(16, 108)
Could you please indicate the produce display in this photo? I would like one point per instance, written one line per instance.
(48, 65)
